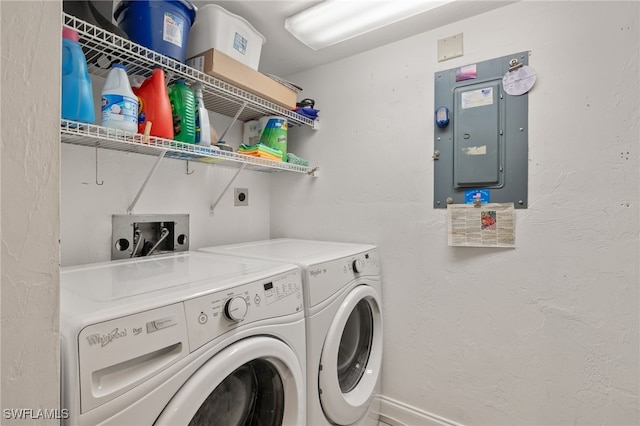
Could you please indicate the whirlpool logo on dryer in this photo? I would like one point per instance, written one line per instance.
(105, 339)
(315, 272)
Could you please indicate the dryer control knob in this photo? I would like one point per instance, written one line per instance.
(235, 309)
(358, 265)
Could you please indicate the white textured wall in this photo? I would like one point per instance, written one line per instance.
(87, 208)
(543, 334)
(30, 207)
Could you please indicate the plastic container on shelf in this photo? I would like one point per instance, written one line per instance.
(251, 132)
(203, 124)
(154, 106)
(119, 103)
(216, 28)
(274, 133)
(183, 107)
(77, 92)
(159, 25)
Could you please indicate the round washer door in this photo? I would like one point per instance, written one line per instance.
(256, 381)
(351, 357)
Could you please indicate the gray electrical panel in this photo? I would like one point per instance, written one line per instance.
(480, 135)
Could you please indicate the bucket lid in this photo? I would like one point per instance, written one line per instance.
(190, 8)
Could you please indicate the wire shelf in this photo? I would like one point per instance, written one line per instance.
(101, 48)
(90, 135)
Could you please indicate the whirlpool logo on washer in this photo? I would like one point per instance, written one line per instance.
(104, 339)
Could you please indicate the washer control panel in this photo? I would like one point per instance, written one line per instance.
(215, 314)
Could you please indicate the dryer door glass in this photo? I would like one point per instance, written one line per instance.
(253, 395)
(355, 346)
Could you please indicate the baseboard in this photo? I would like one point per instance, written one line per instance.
(396, 413)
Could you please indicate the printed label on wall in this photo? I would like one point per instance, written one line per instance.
(477, 98)
(487, 225)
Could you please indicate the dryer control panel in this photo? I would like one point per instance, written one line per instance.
(327, 278)
(213, 315)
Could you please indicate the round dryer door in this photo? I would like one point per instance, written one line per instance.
(257, 381)
(351, 357)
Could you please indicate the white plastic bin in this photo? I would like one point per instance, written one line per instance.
(251, 132)
(217, 28)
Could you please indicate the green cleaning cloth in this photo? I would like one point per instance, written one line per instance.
(296, 160)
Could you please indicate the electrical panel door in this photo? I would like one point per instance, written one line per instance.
(480, 135)
(476, 136)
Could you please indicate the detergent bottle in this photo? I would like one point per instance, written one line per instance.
(119, 103)
(77, 93)
(183, 107)
(203, 124)
(154, 106)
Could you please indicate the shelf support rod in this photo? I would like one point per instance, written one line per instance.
(101, 182)
(146, 181)
(244, 105)
(226, 188)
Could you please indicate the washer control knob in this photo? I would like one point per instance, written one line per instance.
(358, 265)
(235, 309)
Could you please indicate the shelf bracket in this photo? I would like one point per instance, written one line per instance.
(101, 182)
(146, 181)
(235, 118)
(226, 188)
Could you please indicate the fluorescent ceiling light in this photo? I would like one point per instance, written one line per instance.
(333, 21)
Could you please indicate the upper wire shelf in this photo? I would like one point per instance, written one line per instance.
(101, 48)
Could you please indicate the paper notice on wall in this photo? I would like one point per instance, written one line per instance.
(520, 81)
(487, 225)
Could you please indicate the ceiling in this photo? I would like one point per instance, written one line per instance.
(283, 55)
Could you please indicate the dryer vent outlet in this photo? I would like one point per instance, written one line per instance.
(241, 197)
(148, 235)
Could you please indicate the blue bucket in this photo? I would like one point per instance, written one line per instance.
(162, 26)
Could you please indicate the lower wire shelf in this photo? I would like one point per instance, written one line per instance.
(91, 135)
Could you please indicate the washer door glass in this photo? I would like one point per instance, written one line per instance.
(355, 346)
(257, 381)
(252, 395)
(349, 370)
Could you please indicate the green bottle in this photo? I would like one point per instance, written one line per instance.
(183, 108)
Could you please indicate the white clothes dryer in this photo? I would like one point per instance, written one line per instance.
(189, 338)
(342, 293)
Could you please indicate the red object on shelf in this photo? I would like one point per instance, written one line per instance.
(154, 106)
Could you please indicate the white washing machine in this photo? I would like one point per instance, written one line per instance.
(342, 291)
(189, 338)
